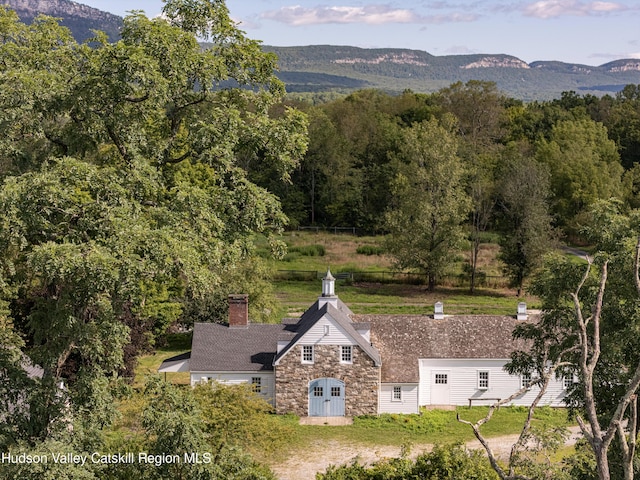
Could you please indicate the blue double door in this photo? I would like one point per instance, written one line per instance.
(326, 397)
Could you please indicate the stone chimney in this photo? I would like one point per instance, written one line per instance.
(522, 311)
(438, 311)
(239, 311)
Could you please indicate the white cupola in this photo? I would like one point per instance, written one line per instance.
(328, 291)
(328, 285)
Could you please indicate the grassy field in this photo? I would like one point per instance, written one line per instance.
(430, 427)
(346, 252)
(311, 253)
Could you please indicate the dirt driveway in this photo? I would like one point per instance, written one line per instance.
(322, 454)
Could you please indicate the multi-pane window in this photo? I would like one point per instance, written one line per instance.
(256, 384)
(335, 391)
(567, 382)
(441, 379)
(346, 354)
(525, 380)
(307, 354)
(318, 392)
(397, 394)
(483, 380)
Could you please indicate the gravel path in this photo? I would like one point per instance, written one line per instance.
(334, 452)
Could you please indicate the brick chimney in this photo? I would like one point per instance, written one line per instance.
(239, 311)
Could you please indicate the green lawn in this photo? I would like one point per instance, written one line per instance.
(296, 296)
(430, 427)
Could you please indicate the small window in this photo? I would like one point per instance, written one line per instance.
(397, 394)
(442, 379)
(335, 391)
(318, 392)
(256, 384)
(307, 354)
(483, 380)
(345, 354)
(525, 380)
(567, 382)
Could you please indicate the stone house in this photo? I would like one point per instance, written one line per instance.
(332, 362)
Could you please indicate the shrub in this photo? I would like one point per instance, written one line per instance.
(450, 462)
(308, 250)
(370, 250)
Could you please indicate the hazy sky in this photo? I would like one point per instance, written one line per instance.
(575, 31)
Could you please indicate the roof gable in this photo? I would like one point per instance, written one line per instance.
(337, 316)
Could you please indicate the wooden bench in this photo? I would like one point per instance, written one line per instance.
(483, 399)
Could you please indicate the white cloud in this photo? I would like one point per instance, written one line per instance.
(459, 49)
(369, 14)
(558, 8)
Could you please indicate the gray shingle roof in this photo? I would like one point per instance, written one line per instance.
(403, 339)
(218, 348)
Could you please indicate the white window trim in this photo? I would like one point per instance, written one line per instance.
(393, 393)
(256, 384)
(480, 380)
(302, 354)
(526, 378)
(570, 380)
(342, 351)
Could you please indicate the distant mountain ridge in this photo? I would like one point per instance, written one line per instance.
(320, 68)
(330, 67)
(80, 19)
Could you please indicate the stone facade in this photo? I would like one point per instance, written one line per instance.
(361, 379)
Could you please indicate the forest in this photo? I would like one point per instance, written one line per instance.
(469, 159)
(136, 180)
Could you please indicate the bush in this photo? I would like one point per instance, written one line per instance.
(370, 250)
(429, 422)
(308, 250)
(450, 462)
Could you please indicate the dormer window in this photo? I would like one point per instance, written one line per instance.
(307, 354)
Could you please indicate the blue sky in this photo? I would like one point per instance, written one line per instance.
(575, 31)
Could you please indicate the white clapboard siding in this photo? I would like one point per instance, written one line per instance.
(463, 383)
(267, 385)
(407, 404)
(326, 332)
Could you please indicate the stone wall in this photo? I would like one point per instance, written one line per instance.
(361, 379)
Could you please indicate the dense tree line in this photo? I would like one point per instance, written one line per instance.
(567, 153)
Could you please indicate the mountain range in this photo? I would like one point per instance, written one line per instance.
(80, 19)
(321, 68)
(324, 67)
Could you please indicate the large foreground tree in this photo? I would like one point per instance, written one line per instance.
(588, 331)
(126, 203)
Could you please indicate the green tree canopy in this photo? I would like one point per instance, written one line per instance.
(127, 203)
(429, 203)
(584, 166)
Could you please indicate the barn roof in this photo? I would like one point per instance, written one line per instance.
(403, 339)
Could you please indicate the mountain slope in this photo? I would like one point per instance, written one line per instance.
(395, 70)
(80, 19)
